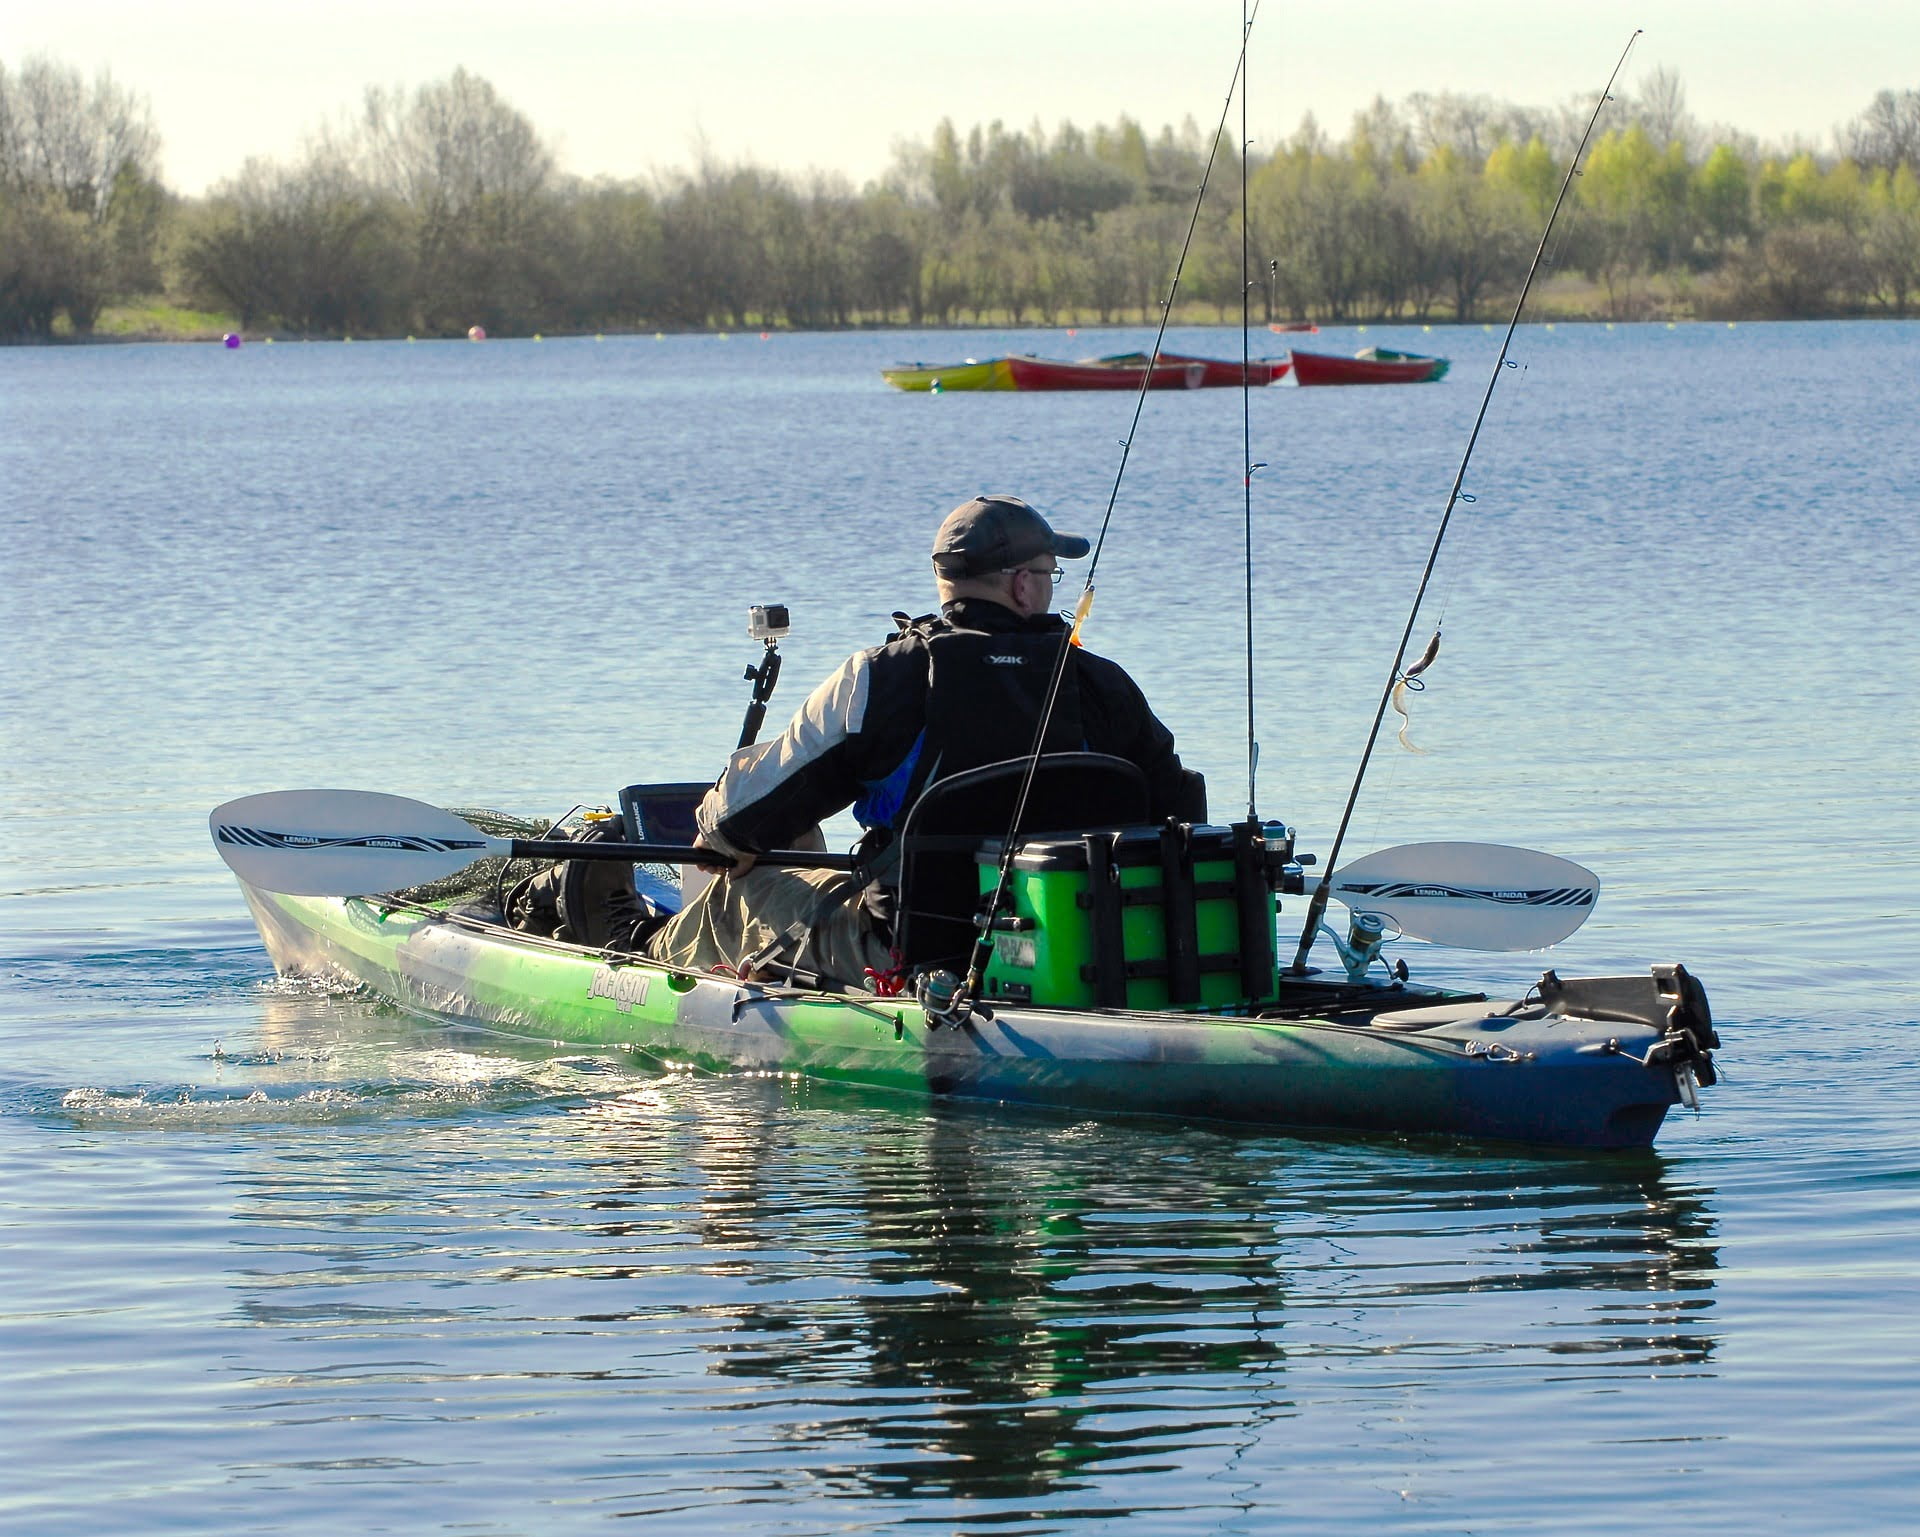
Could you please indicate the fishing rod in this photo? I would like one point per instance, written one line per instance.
(958, 1003)
(1317, 906)
(1246, 433)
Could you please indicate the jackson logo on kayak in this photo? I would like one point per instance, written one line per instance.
(1554, 896)
(625, 988)
(260, 838)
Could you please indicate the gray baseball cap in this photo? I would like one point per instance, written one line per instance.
(996, 533)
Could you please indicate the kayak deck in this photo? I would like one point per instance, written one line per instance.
(1329, 1056)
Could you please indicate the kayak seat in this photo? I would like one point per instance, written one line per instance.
(939, 878)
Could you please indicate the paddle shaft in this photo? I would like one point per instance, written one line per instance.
(670, 854)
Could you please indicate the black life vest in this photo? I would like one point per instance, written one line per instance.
(985, 695)
(985, 692)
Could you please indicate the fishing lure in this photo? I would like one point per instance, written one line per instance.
(1080, 611)
(1410, 682)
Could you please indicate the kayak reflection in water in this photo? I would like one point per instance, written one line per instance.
(954, 690)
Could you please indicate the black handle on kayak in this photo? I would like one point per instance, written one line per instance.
(671, 854)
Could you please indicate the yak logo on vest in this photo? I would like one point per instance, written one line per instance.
(625, 988)
(1006, 661)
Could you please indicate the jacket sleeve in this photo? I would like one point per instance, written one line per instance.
(771, 792)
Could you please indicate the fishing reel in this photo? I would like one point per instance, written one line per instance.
(1360, 947)
(943, 999)
(1286, 868)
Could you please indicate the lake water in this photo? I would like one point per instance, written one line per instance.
(274, 1258)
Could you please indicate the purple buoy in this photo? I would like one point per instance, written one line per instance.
(230, 340)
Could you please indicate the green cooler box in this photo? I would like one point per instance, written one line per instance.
(1174, 917)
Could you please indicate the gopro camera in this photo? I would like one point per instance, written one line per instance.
(767, 621)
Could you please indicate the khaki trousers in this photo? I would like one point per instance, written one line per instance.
(738, 916)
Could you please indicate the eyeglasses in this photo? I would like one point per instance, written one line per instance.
(1051, 573)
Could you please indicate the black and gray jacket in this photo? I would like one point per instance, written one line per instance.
(952, 691)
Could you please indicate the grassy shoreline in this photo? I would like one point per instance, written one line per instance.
(1564, 300)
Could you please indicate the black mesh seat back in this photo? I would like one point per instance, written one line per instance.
(939, 880)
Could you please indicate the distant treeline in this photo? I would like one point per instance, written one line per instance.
(439, 209)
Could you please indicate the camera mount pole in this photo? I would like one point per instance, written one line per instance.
(765, 624)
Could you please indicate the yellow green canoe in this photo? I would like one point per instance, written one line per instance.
(973, 374)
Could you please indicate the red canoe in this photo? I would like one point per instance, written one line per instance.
(1374, 366)
(1219, 373)
(1291, 325)
(1044, 374)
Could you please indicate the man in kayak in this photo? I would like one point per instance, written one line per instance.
(952, 691)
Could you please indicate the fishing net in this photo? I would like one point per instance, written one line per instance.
(484, 879)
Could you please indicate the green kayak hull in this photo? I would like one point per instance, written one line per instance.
(1392, 1060)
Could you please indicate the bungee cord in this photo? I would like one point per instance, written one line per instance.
(1397, 678)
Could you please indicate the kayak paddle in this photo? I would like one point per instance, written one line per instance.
(344, 843)
(1470, 896)
(349, 843)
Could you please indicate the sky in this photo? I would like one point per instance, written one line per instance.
(626, 89)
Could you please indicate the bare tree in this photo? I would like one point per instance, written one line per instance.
(78, 168)
(1892, 243)
(311, 247)
(80, 143)
(1800, 272)
(1887, 134)
(1660, 109)
(476, 179)
(1470, 126)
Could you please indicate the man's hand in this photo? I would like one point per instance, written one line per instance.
(720, 864)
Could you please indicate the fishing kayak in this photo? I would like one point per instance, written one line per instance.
(1571, 1066)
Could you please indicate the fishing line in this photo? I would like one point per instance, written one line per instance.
(983, 941)
(1166, 316)
(1457, 559)
(1558, 253)
(1317, 906)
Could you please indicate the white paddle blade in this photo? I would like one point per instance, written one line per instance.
(343, 843)
(1471, 896)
